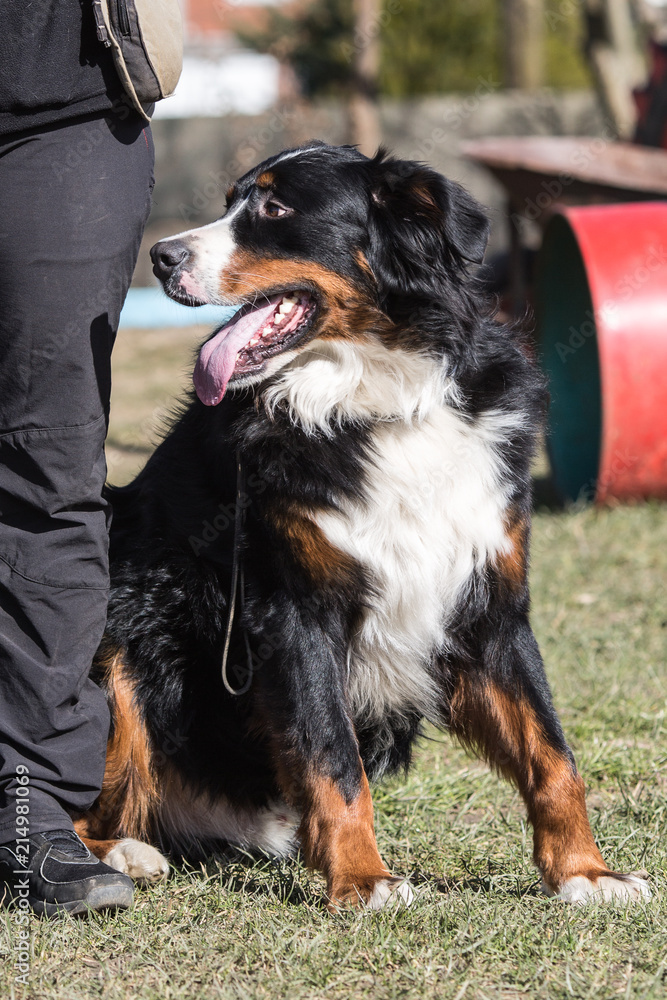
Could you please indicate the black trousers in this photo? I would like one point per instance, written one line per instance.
(74, 200)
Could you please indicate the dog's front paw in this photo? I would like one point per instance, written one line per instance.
(390, 891)
(371, 894)
(140, 861)
(610, 887)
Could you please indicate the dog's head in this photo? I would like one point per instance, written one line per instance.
(322, 243)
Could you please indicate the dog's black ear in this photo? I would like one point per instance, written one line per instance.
(423, 226)
(466, 224)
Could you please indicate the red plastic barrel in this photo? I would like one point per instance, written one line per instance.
(601, 301)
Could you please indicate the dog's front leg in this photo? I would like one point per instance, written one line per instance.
(502, 707)
(319, 770)
(338, 838)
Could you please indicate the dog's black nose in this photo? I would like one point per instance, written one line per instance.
(167, 255)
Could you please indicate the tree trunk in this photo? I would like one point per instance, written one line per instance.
(363, 108)
(615, 59)
(523, 26)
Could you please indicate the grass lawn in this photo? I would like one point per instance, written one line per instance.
(243, 928)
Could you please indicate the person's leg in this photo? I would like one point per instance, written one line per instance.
(73, 204)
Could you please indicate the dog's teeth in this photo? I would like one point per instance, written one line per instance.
(286, 306)
(255, 340)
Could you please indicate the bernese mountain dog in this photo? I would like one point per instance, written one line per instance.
(329, 549)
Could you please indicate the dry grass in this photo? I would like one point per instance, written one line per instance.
(150, 369)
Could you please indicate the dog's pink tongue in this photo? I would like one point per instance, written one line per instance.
(215, 365)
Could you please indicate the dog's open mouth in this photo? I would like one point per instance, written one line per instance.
(254, 334)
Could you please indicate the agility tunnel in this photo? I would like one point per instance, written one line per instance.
(601, 304)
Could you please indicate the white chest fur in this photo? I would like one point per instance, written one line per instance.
(434, 514)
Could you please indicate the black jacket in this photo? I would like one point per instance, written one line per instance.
(52, 65)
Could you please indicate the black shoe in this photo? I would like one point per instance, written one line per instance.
(60, 874)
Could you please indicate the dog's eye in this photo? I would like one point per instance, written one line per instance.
(274, 210)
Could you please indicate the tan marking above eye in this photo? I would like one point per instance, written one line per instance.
(266, 180)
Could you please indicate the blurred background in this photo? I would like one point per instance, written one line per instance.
(553, 113)
(422, 76)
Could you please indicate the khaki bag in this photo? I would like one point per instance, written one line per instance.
(146, 38)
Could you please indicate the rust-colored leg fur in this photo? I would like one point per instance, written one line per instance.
(506, 730)
(128, 799)
(115, 829)
(338, 838)
(100, 848)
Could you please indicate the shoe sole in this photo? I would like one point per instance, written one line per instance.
(102, 897)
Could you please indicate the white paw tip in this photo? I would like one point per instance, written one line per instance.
(138, 860)
(390, 891)
(605, 889)
(278, 825)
